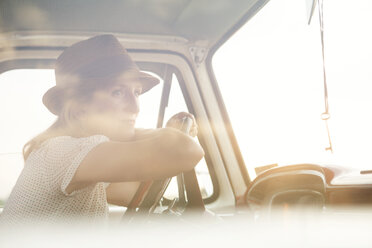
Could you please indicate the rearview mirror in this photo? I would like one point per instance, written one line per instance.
(310, 7)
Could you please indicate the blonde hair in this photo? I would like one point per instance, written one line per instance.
(64, 125)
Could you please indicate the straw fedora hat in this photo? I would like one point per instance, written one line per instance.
(87, 62)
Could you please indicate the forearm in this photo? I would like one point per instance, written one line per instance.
(121, 194)
(142, 133)
(166, 153)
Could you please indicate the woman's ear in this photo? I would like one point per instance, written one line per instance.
(78, 113)
(75, 111)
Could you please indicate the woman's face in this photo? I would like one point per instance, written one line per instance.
(113, 111)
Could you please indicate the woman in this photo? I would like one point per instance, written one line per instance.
(93, 154)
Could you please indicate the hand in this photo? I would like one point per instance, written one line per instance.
(176, 122)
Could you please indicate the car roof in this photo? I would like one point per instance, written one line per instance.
(192, 20)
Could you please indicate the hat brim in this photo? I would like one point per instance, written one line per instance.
(54, 98)
(148, 81)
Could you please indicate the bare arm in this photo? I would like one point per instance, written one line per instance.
(164, 153)
(121, 194)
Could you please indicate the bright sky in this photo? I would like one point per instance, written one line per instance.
(270, 75)
(272, 84)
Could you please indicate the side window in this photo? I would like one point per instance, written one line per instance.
(23, 116)
(149, 106)
(177, 104)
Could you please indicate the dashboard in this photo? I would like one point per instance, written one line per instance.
(309, 186)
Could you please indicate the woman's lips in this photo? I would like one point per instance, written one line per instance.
(129, 121)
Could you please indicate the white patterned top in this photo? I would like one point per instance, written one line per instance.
(40, 192)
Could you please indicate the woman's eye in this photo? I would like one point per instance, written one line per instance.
(118, 93)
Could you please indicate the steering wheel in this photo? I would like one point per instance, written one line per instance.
(150, 193)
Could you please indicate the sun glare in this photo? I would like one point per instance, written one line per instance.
(270, 75)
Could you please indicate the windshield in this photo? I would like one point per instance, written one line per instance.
(271, 78)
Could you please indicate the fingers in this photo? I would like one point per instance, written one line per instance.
(182, 115)
(176, 122)
(194, 131)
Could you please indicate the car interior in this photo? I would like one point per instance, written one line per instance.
(174, 41)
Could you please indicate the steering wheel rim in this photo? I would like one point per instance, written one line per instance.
(150, 193)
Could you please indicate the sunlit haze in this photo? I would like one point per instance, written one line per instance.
(270, 75)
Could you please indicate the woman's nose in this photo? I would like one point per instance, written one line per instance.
(132, 103)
